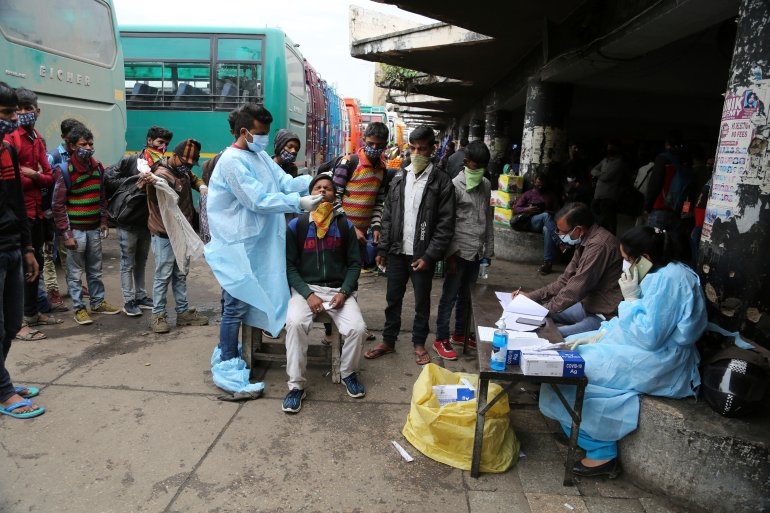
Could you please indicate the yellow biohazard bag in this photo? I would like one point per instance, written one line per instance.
(445, 433)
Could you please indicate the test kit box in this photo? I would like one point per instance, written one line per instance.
(502, 216)
(522, 340)
(500, 199)
(507, 183)
(552, 363)
(453, 393)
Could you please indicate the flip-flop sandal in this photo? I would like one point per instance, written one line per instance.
(31, 335)
(421, 358)
(378, 350)
(31, 391)
(36, 321)
(8, 410)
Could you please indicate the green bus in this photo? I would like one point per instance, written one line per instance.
(69, 54)
(188, 79)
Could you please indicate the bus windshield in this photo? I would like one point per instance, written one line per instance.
(50, 26)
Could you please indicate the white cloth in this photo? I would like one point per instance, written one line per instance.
(413, 192)
(299, 321)
(248, 197)
(187, 245)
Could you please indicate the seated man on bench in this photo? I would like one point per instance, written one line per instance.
(322, 265)
(533, 212)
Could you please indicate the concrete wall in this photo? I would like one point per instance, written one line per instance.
(706, 462)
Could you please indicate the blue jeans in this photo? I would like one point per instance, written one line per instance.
(399, 273)
(11, 311)
(134, 248)
(233, 313)
(544, 223)
(456, 292)
(87, 257)
(576, 320)
(167, 271)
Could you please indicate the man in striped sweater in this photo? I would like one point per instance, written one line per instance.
(361, 192)
(80, 213)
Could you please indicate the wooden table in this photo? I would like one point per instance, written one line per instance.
(485, 310)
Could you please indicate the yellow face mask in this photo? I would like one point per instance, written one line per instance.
(419, 163)
(322, 217)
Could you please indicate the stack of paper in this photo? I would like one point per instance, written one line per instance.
(521, 307)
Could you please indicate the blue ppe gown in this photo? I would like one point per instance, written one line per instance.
(248, 197)
(649, 348)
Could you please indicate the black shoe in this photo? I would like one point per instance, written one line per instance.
(545, 268)
(610, 469)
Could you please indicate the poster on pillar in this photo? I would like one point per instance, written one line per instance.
(740, 186)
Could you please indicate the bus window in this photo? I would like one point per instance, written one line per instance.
(170, 84)
(295, 73)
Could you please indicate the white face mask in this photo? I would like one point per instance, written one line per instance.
(626, 265)
(258, 142)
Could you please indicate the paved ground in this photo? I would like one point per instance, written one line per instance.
(133, 425)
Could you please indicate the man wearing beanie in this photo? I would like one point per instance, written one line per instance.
(177, 171)
(287, 147)
(322, 265)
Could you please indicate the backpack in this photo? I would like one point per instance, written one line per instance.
(128, 205)
(207, 168)
(331, 165)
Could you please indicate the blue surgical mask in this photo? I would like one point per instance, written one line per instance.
(84, 153)
(288, 156)
(26, 118)
(373, 153)
(567, 239)
(6, 127)
(258, 142)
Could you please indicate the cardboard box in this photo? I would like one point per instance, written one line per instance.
(522, 340)
(500, 199)
(503, 216)
(552, 363)
(507, 183)
(447, 394)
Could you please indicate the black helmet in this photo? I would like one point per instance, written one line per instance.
(735, 381)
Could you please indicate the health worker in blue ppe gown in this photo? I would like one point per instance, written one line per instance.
(649, 348)
(249, 194)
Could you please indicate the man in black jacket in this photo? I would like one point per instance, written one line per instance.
(134, 239)
(417, 227)
(16, 252)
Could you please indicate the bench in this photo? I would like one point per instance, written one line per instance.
(254, 349)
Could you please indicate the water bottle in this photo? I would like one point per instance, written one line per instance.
(483, 268)
(499, 347)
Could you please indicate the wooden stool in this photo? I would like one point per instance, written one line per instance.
(256, 349)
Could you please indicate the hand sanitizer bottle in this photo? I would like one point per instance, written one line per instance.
(499, 347)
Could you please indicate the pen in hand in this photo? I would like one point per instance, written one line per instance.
(516, 293)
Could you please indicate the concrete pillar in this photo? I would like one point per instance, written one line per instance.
(735, 242)
(498, 139)
(464, 132)
(476, 132)
(544, 139)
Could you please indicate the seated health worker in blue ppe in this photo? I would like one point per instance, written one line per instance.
(649, 348)
(249, 194)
